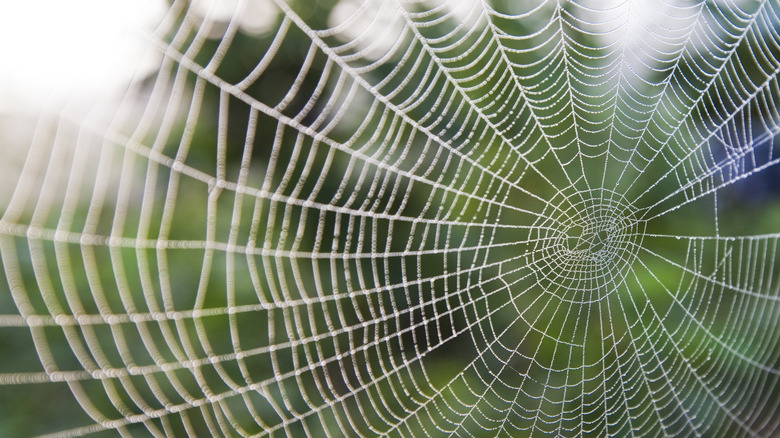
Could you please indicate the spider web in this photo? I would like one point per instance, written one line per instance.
(409, 218)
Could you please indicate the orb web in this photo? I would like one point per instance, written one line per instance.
(406, 218)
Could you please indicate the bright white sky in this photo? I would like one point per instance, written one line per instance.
(52, 50)
(57, 50)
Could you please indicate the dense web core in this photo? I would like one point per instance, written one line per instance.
(408, 218)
